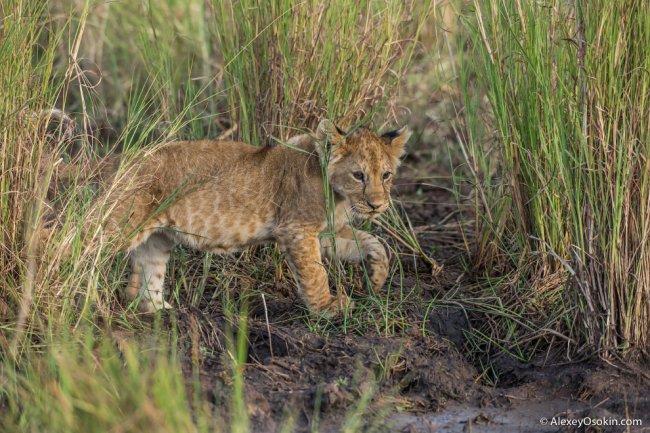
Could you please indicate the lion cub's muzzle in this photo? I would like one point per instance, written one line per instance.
(371, 209)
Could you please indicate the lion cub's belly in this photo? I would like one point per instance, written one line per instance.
(218, 232)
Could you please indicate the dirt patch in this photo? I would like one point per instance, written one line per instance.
(291, 370)
(415, 382)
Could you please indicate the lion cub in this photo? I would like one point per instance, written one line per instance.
(223, 196)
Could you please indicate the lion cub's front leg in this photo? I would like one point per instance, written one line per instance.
(355, 246)
(303, 255)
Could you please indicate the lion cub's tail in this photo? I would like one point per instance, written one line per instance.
(62, 165)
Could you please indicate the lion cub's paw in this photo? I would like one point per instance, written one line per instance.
(338, 306)
(378, 267)
(150, 307)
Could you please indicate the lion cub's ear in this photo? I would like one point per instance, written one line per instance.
(396, 140)
(328, 136)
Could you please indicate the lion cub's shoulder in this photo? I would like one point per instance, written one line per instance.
(303, 142)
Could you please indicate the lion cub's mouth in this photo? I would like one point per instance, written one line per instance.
(366, 213)
(371, 214)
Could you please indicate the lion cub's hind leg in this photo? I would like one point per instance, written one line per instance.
(148, 266)
(357, 246)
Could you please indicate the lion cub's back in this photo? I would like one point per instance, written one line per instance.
(204, 155)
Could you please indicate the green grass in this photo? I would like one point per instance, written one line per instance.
(311, 60)
(102, 383)
(561, 179)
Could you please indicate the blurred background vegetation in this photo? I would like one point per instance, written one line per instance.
(538, 108)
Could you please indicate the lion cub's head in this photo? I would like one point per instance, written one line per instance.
(362, 164)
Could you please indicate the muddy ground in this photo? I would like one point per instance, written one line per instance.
(419, 379)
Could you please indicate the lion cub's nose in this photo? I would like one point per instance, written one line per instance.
(374, 206)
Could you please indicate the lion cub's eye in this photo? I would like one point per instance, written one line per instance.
(387, 175)
(358, 175)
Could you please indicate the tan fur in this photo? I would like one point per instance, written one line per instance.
(224, 196)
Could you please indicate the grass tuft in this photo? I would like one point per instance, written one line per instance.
(311, 60)
(564, 209)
